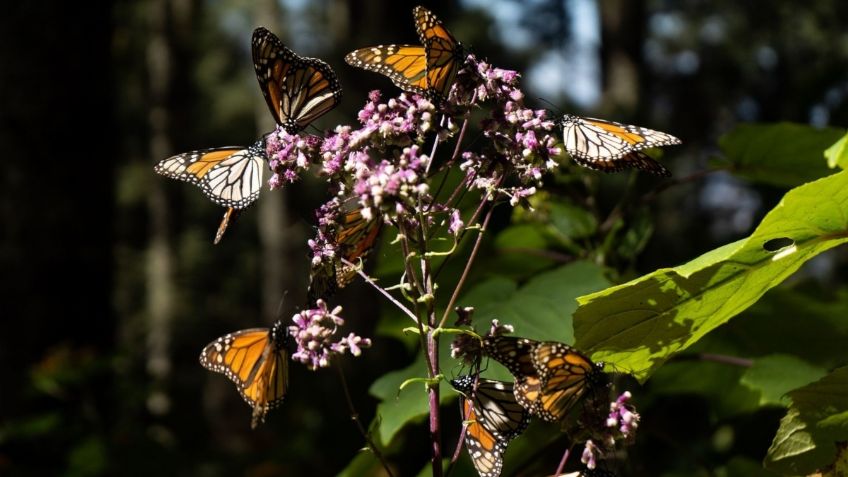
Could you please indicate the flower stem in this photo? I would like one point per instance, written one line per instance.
(562, 461)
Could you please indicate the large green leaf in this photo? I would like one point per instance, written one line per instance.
(783, 154)
(775, 375)
(640, 324)
(542, 308)
(400, 407)
(816, 421)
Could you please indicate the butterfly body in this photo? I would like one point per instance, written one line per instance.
(297, 89)
(493, 419)
(610, 146)
(256, 360)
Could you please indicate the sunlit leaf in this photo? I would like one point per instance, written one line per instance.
(816, 421)
(837, 154)
(640, 324)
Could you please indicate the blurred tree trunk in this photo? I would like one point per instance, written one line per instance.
(622, 35)
(165, 16)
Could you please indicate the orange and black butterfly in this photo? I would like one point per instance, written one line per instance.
(257, 360)
(550, 377)
(297, 89)
(354, 238)
(229, 176)
(494, 418)
(609, 146)
(429, 68)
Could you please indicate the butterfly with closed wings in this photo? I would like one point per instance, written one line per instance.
(610, 147)
(493, 419)
(550, 377)
(297, 89)
(428, 69)
(257, 361)
(354, 237)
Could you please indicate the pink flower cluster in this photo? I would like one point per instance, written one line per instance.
(314, 333)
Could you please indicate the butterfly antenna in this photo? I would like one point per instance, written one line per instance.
(555, 110)
(280, 305)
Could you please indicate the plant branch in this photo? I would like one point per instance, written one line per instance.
(467, 269)
(354, 416)
(380, 289)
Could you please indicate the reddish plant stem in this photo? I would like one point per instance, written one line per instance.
(562, 462)
(435, 425)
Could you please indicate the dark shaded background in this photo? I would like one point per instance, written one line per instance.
(111, 285)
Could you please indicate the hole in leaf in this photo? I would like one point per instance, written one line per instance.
(776, 244)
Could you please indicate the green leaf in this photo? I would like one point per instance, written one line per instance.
(816, 421)
(783, 154)
(569, 222)
(520, 251)
(640, 324)
(542, 308)
(775, 375)
(365, 463)
(837, 154)
(400, 407)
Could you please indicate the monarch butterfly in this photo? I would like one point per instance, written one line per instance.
(429, 69)
(297, 89)
(550, 377)
(354, 238)
(257, 360)
(609, 146)
(494, 419)
(228, 176)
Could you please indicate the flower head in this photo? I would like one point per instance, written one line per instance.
(314, 331)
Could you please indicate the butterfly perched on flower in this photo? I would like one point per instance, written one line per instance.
(257, 360)
(353, 237)
(229, 176)
(609, 146)
(494, 418)
(297, 89)
(429, 68)
(550, 377)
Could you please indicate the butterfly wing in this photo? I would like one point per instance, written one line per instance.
(355, 237)
(444, 54)
(565, 376)
(228, 176)
(405, 65)
(610, 146)
(494, 419)
(636, 160)
(256, 361)
(516, 355)
(297, 89)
